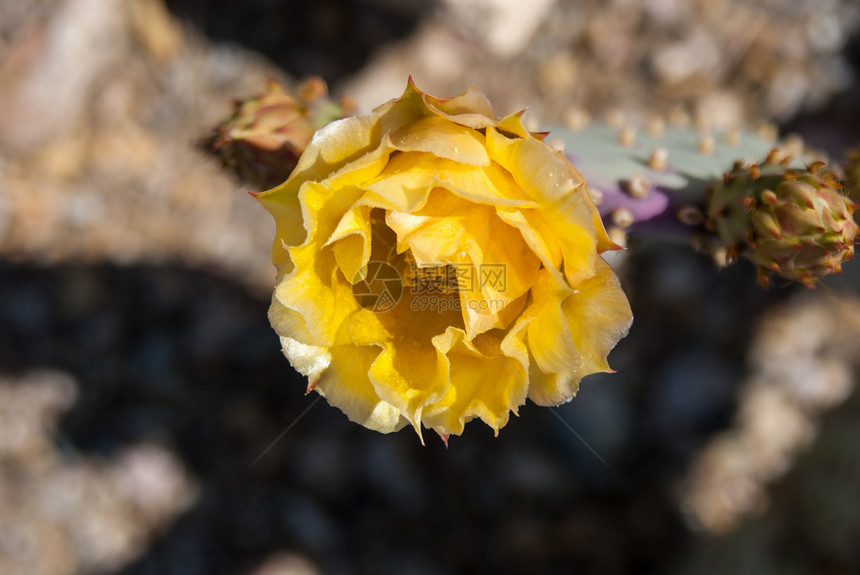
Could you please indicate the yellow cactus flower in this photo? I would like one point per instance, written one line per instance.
(438, 264)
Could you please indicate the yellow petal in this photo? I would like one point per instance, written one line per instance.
(471, 108)
(493, 263)
(549, 336)
(309, 360)
(507, 267)
(317, 291)
(289, 323)
(449, 229)
(551, 389)
(542, 173)
(289, 229)
(485, 383)
(604, 243)
(513, 123)
(535, 232)
(405, 182)
(299, 207)
(599, 316)
(566, 209)
(593, 318)
(351, 242)
(325, 203)
(409, 177)
(335, 145)
(408, 108)
(409, 374)
(363, 328)
(346, 385)
(545, 174)
(339, 373)
(443, 139)
(431, 240)
(500, 270)
(569, 218)
(360, 170)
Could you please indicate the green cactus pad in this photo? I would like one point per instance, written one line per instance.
(658, 172)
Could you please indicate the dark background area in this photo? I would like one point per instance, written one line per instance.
(327, 38)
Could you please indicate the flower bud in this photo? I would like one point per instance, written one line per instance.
(264, 138)
(794, 223)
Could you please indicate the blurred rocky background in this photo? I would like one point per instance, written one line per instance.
(149, 424)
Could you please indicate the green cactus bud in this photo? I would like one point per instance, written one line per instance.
(729, 200)
(794, 223)
(263, 139)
